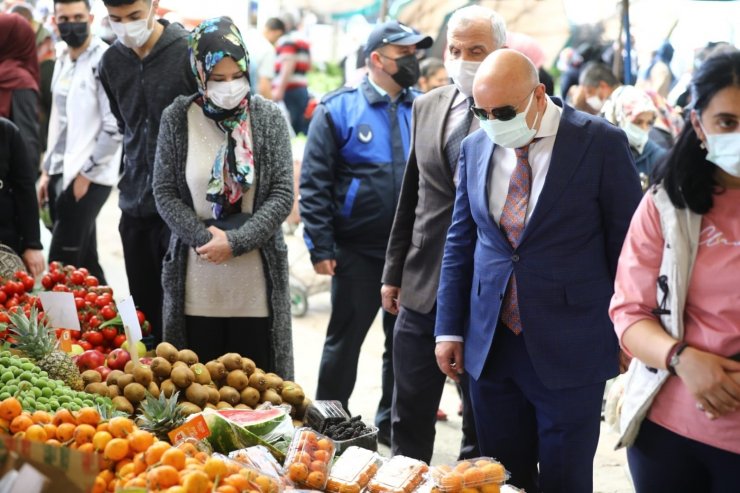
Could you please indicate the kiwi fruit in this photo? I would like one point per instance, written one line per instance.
(237, 379)
(179, 364)
(129, 368)
(248, 366)
(232, 361)
(271, 396)
(134, 392)
(230, 395)
(153, 389)
(168, 388)
(122, 404)
(167, 351)
(224, 405)
(217, 370)
(113, 391)
(242, 406)
(182, 376)
(189, 408)
(292, 393)
(197, 394)
(123, 381)
(300, 410)
(202, 375)
(258, 381)
(250, 397)
(91, 376)
(213, 394)
(113, 377)
(97, 388)
(274, 381)
(161, 367)
(188, 357)
(210, 406)
(143, 375)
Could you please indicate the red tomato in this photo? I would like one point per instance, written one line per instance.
(140, 316)
(85, 345)
(93, 337)
(3, 297)
(47, 282)
(94, 322)
(101, 302)
(79, 303)
(91, 297)
(28, 283)
(60, 288)
(107, 312)
(75, 334)
(100, 348)
(80, 293)
(77, 278)
(4, 318)
(119, 340)
(58, 277)
(59, 332)
(11, 303)
(91, 281)
(84, 271)
(109, 333)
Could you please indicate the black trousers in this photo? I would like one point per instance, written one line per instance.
(145, 242)
(355, 300)
(418, 389)
(211, 337)
(74, 236)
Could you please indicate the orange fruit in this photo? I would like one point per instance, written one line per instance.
(86, 448)
(36, 433)
(196, 482)
(140, 464)
(326, 445)
(266, 485)
(63, 416)
(88, 416)
(107, 475)
(10, 409)
(175, 489)
(116, 449)
(121, 464)
(174, 457)
(302, 457)
(102, 426)
(490, 488)
(318, 465)
(101, 439)
(225, 488)
(54, 442)
(140, 440)
(137, 482)
(473, 477)
(84, 434)
(4, 425)
(162, 477)
(120, 427)
(237, 481)
(316, 480)
(322, 455)
(216, 469)
(100, 486)
(482, 462)
(298, 472)
(350, 488)
(65, 431)
(154, 453)
(452, 482)
(41, 417)
(494, 472)
(463, 466)
(188, 448)
(20, 423)
(469, 490)
(125, 468)
(51, 430)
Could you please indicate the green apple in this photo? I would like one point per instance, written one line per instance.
(140, 347)
(77, 349)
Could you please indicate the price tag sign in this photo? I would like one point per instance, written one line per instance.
(61, 310)
(127, 309)
(195, 428)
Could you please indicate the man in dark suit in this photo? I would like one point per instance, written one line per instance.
(441, 119)
(545, 198)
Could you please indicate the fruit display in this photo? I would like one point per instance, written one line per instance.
(227, 436)
(14, 293)
(353, 470)
(309, 459)
(261, 459)
(484, 475)
(399, 475)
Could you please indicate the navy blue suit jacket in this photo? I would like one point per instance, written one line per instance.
(565, 263)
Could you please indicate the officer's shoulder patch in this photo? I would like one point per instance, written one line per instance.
(364, 133)
(337, 92)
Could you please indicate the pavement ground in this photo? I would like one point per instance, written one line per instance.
(610, 467)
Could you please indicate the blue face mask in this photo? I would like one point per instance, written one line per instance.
(511, 133)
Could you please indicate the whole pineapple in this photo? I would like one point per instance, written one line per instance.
(160, 415)
(37, 340)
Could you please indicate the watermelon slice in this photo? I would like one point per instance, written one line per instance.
(261, 422)
(227, 436)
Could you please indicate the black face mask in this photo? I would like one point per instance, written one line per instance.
(408, 70)
(73, 33)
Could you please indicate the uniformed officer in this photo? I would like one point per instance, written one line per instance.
(353, 165)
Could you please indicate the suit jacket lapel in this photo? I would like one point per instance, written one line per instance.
(571, 143)
(446, 98)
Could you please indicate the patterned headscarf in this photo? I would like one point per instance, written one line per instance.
(233, 170)
(625, 104)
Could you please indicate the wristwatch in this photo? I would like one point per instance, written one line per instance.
(673, 357)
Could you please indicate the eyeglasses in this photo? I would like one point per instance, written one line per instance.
(502, 113)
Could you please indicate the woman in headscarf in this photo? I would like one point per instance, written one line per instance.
(19, 80)
(633, 111)
(223, 182)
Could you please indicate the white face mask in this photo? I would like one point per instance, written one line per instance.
(134, 34)
(636, 136)
(462, 74)
(227, 94)
(595, 102)
(511, 133)
(724, 151)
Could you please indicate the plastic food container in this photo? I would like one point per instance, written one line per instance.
(260, 482)
(309, 458)
(353, 470)
(399, 475)
(258, 457)
(367, 441)
(321, 414)
(483, 474)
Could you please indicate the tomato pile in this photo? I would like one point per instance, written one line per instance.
(100, 322)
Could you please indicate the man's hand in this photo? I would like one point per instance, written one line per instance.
(325, 267)
(709, 379)
(43, 191)
(450, 359)
(218, 249)
(391, 297)
(80, 187)
(34, 261)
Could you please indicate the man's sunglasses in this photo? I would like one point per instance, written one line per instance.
(502, 113)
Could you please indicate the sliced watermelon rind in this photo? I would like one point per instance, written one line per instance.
(258, 421)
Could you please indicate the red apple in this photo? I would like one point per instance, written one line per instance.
(117, 359)
(90, 359)
(104, 372)
(85, 345)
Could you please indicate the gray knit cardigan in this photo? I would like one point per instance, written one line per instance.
(272, 204)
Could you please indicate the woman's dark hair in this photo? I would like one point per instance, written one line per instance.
(686, 175)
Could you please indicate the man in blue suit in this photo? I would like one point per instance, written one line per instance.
(545, 198)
